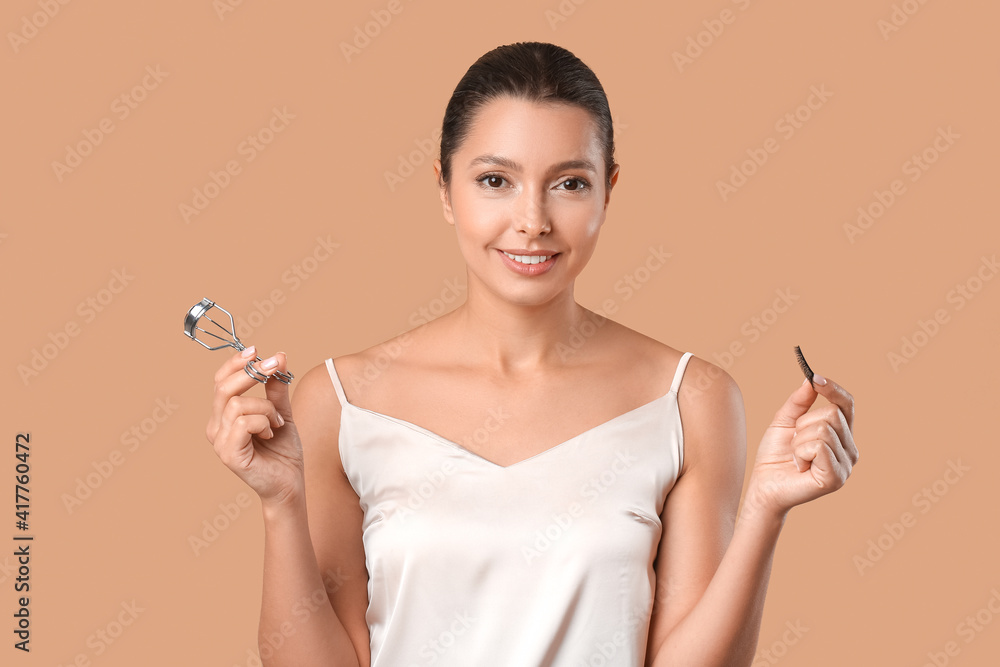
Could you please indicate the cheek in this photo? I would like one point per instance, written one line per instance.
(581, 219)
(469, 207)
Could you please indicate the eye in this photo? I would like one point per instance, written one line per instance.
(491, 181)
(578, 184)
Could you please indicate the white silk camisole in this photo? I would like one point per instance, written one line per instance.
(544, 562)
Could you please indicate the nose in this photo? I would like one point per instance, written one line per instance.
(531, 216)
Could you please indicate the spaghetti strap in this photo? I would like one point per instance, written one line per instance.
(679, 373)
(336, 381)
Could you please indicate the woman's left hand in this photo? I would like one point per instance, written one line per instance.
(804, 454)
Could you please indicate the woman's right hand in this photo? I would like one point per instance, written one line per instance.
(256, 437)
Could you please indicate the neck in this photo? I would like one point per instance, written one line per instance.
(513, 338)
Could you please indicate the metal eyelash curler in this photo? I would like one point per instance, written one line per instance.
(199, 311)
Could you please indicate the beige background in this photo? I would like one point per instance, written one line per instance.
(323, 176)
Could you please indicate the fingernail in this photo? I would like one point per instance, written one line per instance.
(819, 379)
(270, 362)
(281, 421)
(249, 352)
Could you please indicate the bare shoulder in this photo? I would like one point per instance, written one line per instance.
(316, 414)
(712, 415)
(709, 399)
(368, 375)
(646, 359)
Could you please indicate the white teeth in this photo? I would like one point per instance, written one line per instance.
(527, 259)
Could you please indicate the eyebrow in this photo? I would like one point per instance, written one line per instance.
(501, 161)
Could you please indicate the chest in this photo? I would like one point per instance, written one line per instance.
(507, 425)
(600, 493)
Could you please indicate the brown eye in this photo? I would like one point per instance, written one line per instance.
(577, 184)
(491, 181)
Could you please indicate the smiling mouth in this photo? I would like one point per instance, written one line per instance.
(529, 259)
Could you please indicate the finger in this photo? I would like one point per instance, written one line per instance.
(249, 405)
(275, 390)
(834, 416)
(231, 380)
(235, 362)
(819, 458)
(821, 431)
(837, 395)
(795, 406)
(234, 444)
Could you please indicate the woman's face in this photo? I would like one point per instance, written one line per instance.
(528, 178)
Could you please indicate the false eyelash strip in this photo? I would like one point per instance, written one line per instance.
(808, 372)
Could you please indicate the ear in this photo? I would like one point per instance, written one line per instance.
(443, 193)
(614, 179)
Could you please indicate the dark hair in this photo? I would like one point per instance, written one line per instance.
(534, 71)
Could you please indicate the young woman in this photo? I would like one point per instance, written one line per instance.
(511, 483)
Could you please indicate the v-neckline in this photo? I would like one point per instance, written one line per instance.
(443, 440)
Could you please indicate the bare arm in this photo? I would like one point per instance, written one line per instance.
(710, 581)
(315, 582)
(298, 625)
(712, 577)
(315, 585)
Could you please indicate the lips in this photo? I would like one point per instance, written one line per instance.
(529, 268)
(529, 258)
